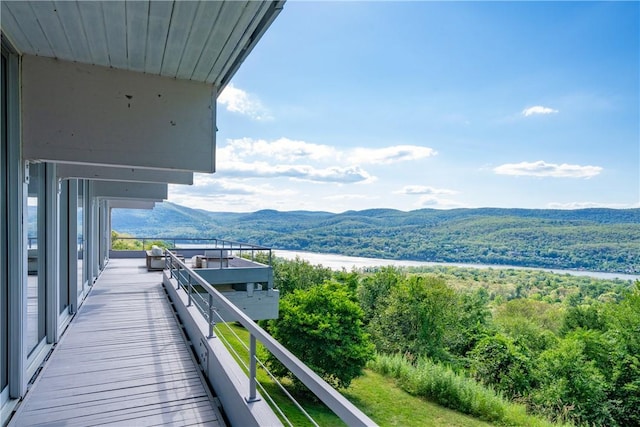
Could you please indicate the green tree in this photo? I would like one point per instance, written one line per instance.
(374, 290)
(572, 387)
(472, 323)
(418, 312)
(124, 242)
(531, 324)
(289, 275)
(584, 317)
(496, 361)
(624, 330)
(350, 279)
(322, 326)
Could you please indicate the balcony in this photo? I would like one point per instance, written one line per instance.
(122, 360)
(125, 360)
(241, 272)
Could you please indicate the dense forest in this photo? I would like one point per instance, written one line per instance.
(587, 239)
(512, 347)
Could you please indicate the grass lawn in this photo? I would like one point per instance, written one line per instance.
(389, 405)
(375, 395)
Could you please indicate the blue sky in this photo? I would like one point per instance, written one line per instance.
(409, 105)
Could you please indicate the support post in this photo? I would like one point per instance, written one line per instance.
(211, 321)
(252, 369)
(189, 290)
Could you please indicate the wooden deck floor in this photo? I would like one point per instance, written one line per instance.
(123, 361)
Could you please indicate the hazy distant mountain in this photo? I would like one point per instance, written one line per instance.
(594, 239)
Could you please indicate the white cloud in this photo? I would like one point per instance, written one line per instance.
(586, 205)
(437, 203)
(430, 197)
(537, 109)
(392, 154)
(207, 184)
(285, 149)
(425, 190)
(212, 193)
(349, 197)
(246, 158)
(544, 169)
(238, 101)
(281, 149)
(334, 174)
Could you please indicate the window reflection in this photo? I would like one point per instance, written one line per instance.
(35, 256)
(80, 236)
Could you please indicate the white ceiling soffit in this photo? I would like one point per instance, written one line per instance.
(131, 204)
(204, 41)
(105, 173)
(129, 190)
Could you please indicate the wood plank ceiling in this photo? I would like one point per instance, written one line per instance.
(203, 41)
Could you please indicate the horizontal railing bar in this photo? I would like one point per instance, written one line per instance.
(176, 240)
(341, 406)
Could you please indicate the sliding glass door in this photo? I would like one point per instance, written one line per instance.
(36, 256)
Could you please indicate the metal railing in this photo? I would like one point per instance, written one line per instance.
(188, 279)
(220, 246)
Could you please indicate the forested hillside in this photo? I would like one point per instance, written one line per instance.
(500, 345)
(589, 239)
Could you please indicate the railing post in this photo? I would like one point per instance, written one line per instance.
(252, 370)
(167, 264)
(211, 321)
(189, 290)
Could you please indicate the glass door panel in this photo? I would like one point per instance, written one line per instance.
(64, 281)
(80, 237)
(36, 256)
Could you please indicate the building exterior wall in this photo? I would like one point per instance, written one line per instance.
(140, 120)
(39, 248)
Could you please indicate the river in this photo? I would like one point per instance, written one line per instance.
(338, 262)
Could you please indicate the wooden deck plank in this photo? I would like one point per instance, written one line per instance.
(121, 378)
(123, 361)
(160, 364)
(167, 412)
(115, 400)
(91, 393)
(154, 353)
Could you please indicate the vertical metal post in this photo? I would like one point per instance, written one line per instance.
(189, 290)
(252, 369)
(211, 321)
(178, 277)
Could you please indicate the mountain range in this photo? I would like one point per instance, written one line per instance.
(589, 239)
